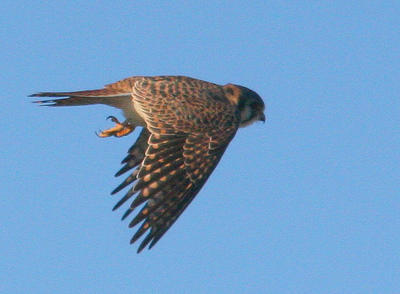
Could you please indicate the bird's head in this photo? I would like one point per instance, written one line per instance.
(249, 103)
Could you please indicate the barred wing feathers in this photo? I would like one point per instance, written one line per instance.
(184, 147)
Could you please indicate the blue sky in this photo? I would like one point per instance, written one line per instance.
(306, 203)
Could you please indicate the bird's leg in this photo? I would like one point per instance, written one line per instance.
(119, 130)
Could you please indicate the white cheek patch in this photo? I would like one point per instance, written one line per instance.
(246, 114)
(246, 117)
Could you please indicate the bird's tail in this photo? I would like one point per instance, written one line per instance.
(108, 96)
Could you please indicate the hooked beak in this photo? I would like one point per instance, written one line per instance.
(262, 117)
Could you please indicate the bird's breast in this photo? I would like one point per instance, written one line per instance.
(132, 113)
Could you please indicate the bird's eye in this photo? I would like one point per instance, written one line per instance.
(253, 105)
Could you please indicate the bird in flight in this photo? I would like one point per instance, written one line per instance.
(186, 126)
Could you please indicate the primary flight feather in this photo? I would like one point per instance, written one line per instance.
(187, 125)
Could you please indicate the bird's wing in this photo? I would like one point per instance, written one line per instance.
(135, 155)
(190, 127)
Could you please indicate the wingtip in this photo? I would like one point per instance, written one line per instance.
(126, 214)
(119, 188)
(140, 249)
(118, 173)
(135, 237)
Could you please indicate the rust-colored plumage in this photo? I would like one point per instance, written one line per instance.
(187, 125)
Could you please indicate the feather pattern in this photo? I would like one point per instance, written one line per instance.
(187, 126)
(184, 147)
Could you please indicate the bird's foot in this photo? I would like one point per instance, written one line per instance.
(119, 130)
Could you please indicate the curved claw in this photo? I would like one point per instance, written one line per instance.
(97, 133)
(113, 119)
(119, 130)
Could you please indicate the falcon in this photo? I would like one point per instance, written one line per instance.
(187, 125)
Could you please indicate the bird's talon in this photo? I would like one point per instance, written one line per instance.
(113, 119)
(119, 130)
